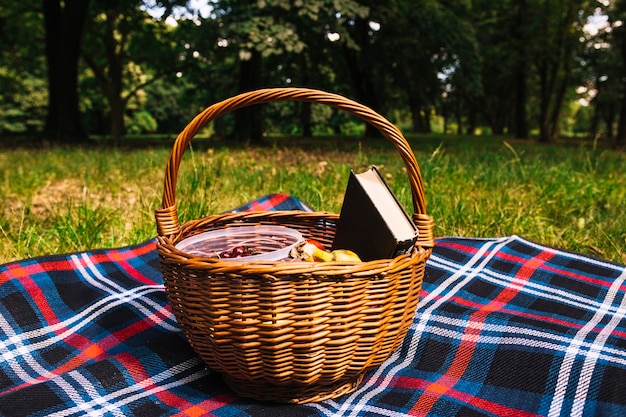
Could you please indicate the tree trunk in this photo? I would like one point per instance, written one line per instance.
(305, 107)
(555, 120)
(361, 73)
(544, 106)
(522, 130)
(64, 27)
(609, 120)
(305, 119)
(117, 109)
(620, 139)
(459, 116)
(554, 73)
(471, 122)
(248, 120)
(595, 122)
(113, 83)
(420, 119)
(444, 115)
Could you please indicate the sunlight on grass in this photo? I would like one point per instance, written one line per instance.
(63, 200)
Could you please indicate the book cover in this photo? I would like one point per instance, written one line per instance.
(372, 222)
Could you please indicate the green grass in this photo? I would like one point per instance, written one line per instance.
(63, 199)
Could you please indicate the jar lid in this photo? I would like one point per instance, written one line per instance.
(264, 243)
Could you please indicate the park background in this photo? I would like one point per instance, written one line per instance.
(540, 69)
(515, 110)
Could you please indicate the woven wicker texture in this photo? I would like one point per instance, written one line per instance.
(290, 331)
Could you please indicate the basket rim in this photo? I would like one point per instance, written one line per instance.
(166, 246)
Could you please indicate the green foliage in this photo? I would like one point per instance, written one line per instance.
(23, 102)
(125, 50)
(142, 122)
(23, 90)
(464, 65)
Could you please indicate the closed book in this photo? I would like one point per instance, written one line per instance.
(372, 222)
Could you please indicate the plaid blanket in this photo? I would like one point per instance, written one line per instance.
(505, 327)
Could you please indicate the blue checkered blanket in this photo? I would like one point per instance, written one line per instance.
(505, 327)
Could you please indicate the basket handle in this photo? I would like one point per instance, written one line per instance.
(167, 216)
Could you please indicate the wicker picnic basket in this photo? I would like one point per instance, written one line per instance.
(290, 331)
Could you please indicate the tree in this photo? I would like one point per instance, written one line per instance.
(618, 14)
(252, 33)
(363, 68)
(598, 74)
(557, 26)
(520, 35)
(64, 22)
(24, 96)
(502, 37)
(126, 50)
(324, 30)
(509, 64)
(431, 52)
(277, 28)
(528, 50)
